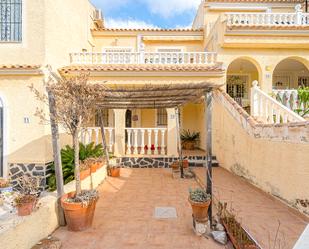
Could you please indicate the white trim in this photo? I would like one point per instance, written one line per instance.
(117, 47)
(181, 48)
(3, 102)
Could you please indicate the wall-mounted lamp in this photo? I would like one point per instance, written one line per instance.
(268, 68)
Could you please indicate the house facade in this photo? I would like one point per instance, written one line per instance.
(231, 44)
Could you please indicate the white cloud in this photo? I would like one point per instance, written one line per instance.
(164, 8)
(129, 23)
(169, 8)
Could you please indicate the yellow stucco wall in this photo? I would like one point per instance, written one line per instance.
(268, 164)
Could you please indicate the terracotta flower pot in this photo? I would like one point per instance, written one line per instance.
(84, 173)
(99, 165)
(93, 167)
(200, 210)
(78, 217)
(26, 208)
(115, 172)
(188, 145)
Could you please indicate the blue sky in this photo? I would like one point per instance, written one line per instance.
(148, 13)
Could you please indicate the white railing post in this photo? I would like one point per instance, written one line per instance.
(129, 151)
(254, 99)
(149, 142)
(163, 149)
(135, 146)
(142, 141)
(156, 131)
(299, 14)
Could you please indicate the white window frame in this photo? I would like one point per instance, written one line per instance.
(156, 118)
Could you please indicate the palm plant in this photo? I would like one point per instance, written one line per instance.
(67, 157)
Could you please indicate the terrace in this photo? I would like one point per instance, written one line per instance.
(125, 213)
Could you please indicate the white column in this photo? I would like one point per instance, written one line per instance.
(142, 142)
(97, 136)
(149, 142)
(156, 131)
(110, 132)
(171, 132)
(129, 141)
(135, 146)
(120, 116)
(163, 150)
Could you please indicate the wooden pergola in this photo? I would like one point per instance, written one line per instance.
(148, 96)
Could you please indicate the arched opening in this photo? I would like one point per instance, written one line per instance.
(290, 73)
(240, 74)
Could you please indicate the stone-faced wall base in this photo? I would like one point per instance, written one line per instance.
(160, 162)
(42, 171)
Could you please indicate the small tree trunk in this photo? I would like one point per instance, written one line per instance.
(76, 163)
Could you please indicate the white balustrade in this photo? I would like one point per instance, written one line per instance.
(139, 137)
(144, 58)
(268, 110)
(288, 97)
(93, 134)
(298, 18)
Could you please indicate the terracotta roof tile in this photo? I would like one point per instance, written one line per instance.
(18, 66)
(146, 29)
(144, 68)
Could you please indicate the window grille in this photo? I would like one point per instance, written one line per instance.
(105, 118)
(161, 117)
(237, 86)
(303, 81)
(11, 20)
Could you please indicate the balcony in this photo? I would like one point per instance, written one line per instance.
(172, 58)
(277, 20)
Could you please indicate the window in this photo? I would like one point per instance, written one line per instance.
(303, 81)
(170, 56)
(11, 20)
(161, 117)
(237, 86)
(105, 118)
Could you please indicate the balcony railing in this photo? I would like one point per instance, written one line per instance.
(146, 141)
(268, 110)
(93, 134)
(144, 58)
(267, 19)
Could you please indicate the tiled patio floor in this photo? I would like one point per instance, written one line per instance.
(125, 213)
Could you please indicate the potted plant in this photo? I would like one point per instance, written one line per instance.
(25, 203)
(85, 170)
(113, 168)
(71, 103)
(5, 185)
(200, 202)
(29, 191)
(189, 139)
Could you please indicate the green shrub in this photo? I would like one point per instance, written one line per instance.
(67, 158)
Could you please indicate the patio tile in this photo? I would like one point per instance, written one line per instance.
(124, 216)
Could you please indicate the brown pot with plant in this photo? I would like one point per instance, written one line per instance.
(25, 204)
(71, 103)
(26, 200)
(85, 171)
(189, 139)
(200, 202)
(79, 209)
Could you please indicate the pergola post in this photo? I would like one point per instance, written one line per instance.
(208, 114)
(56, 155)
(104, 140)
(179, 142)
